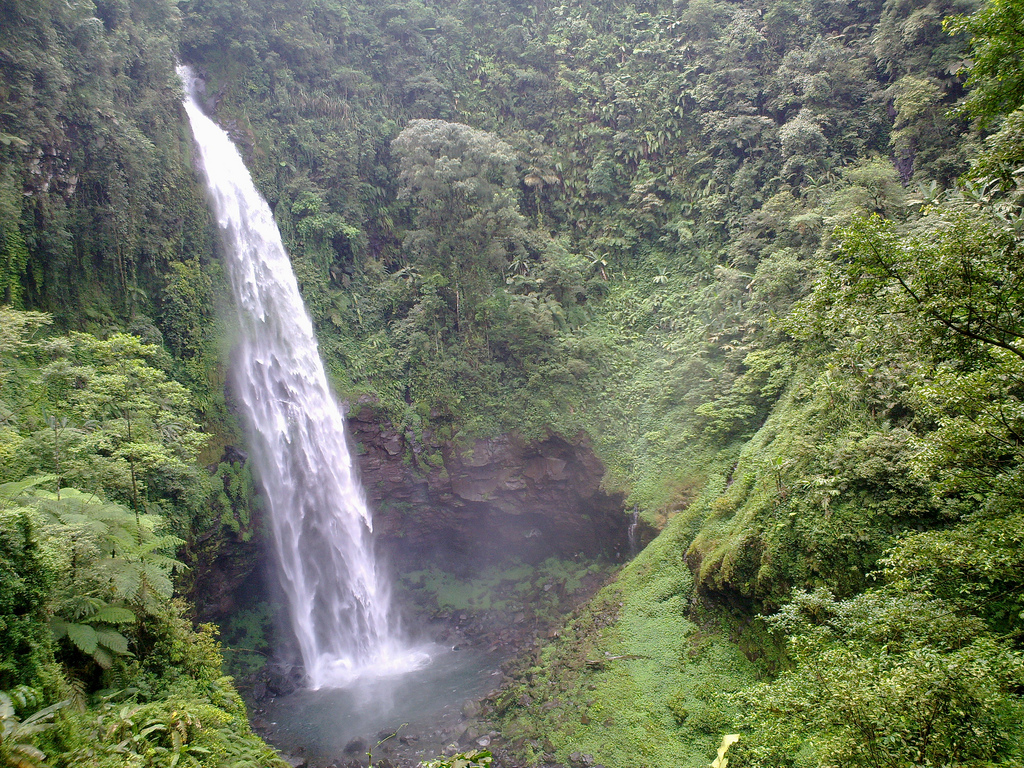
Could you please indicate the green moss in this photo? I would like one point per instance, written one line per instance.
(537, 592)
(631, 679)
(815, 498)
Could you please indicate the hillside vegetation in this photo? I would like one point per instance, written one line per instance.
(767, 255)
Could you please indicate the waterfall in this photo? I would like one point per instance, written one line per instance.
(338, 600)
(632, 534)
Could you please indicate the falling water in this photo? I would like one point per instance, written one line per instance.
(338, 600)
(633, 536)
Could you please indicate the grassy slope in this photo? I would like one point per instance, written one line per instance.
(769, 518)
(631, 679)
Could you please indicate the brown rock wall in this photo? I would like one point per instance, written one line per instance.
(486, 501)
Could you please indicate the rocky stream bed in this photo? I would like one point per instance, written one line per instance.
(440, 710)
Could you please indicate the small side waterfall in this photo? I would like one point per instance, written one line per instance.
(632, 533)
(338, 600)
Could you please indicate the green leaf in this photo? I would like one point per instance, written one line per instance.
(112, 640)
(36, 718)
(101, 657)
(112, 614)
(83, 636)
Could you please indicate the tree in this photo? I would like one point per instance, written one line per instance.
(937, 309)
(995, 71)
(119, 426)
(884, 679)
(25, 583)
(962, 276)
(468, 228)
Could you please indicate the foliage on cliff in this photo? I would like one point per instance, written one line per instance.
(102, 223)
(872, 515)
(728, 241)
(676, 169)
(100, 664)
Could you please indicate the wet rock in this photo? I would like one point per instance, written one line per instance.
(234, 455)
(494, 498)
(282, 680)
(471, 734)
(471, 709)
(356, 746)
(295, 761)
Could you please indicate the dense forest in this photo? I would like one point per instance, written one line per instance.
(765, 256)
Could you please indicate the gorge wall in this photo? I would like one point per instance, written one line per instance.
(460, 507)
(438, 502)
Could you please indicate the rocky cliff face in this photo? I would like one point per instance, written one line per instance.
(463, 506)
(458, 507)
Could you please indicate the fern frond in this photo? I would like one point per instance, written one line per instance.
(10, 491)
(83, 637)
(103, 658)
(82, 607)
(113, 614)
(59, 628)
(78, 698)
(112, 640)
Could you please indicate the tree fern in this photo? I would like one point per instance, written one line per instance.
(115, 565)
(81, 635)
(15, 749)
(10, 492)
(102, 643)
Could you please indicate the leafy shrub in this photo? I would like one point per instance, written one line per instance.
(478, 758)
(885, 679)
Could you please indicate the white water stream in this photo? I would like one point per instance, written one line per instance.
(339, 602)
